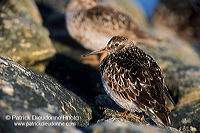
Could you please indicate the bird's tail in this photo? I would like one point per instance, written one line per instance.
(163, 118)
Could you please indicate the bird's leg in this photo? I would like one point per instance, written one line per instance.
(132, 116)
(142, 117)
(125, 115)
(121, 115)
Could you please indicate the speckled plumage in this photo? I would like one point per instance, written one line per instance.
(87, 20)
(133, 79)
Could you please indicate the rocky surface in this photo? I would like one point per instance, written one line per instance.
(182, 16)
(25, 93)
(77, 90)
(23, 38)
(113, 126)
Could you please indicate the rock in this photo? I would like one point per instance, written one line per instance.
(57, 5)
(81, 79)
(25, 93)
(182, 16)
(73, 53)
(53, 14)
(186, 118)
(23, 38)
(186, 114)
(114, 126)
(69, 72)
(13, 124)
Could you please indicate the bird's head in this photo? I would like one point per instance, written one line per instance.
(115, 44)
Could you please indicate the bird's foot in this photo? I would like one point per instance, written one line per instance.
(127, 116)
(120, 114)
(142, 117)
(134, 116)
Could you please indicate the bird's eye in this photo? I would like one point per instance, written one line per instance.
(116, 44)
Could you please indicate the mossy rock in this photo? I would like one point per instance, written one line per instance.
(22, 36)
(26, 93)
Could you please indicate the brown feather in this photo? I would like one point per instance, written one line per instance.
(134, 80)
(163, 118)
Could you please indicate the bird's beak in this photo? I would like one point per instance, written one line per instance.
(103, 50)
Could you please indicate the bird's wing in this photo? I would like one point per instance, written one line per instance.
(113, 20)
(132, 81)
(155, 69)
(109, 17)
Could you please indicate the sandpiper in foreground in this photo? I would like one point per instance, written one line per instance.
(133, 79)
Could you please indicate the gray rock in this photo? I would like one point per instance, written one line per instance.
(186, 114)
(182, 16)
(22, 36)
(11, 123)
(186, 118)
(25, 93)
(57, 5)
(114, 126)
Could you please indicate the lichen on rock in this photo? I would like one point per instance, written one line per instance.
(24, 92)
(23, 38)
